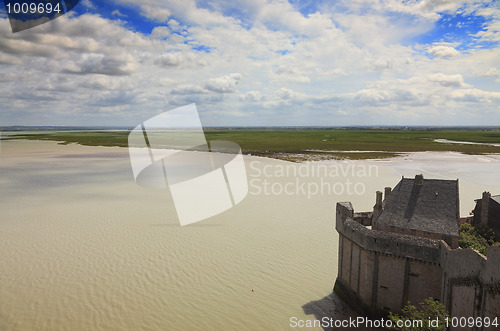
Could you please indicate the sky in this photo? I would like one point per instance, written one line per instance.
(256, 63)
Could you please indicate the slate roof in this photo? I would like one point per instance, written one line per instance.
(496, 198)
(347, 204)
(432, 206)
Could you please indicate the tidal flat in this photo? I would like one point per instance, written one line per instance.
(85, 248)
(298, 145)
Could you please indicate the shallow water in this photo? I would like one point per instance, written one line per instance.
(84, 248)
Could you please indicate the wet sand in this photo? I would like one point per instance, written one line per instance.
(84, 248)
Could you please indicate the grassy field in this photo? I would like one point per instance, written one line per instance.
(297, 145)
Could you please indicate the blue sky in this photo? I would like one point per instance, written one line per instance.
(457, 28)
(257, 62)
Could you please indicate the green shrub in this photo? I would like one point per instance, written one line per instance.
(428, 312)
(478, 237)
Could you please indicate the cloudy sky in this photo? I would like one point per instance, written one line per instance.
(257, 62)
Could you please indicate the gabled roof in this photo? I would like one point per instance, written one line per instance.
(346, 204)
(496, 198)
(432, 206)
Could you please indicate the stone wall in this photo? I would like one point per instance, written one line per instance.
(381, 271)
(471, 283)
(449, 239)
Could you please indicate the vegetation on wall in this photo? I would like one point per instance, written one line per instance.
(429, 315)
(478, 237)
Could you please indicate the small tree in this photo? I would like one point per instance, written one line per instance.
(428, 310)
(478, 237)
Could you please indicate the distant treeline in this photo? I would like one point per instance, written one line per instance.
(263, 128)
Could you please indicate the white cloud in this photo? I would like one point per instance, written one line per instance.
(268, 60)
(491, 28)
(171, 59)
(380, 65)
(102, 82)
(448, 80)
(88, 4)
(225, 84)
(189, 89)
(157, 14)
(287, 73)
(160, 32)
(251, 96)
(116, 12)
(116, 65)
(287, 94)
(489, 72)
(426, 9)
(161, 11)
(9, 59)
(443, 51)
(476, 96)
(186, 59)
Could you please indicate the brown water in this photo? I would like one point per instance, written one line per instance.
(82, 247)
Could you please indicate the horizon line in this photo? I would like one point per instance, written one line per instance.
(249, 127)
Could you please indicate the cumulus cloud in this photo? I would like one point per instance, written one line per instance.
(376, 97)
(251, 96)
(290, 74)
(476, 96)
(171, 59)
(182, 60)
(448, 80)
(225, 84)
(188, 89)
(380, 65)
(355, 57)
(160, 32)
(117, 65)
(156, 13)
(289, 97)
(287, 94)
(161, 11)
(113, 98)
(443, 51)
(489, 72)
(102, 82)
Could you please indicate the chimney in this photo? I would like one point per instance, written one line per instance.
(485, 204)
(387, 190)
(419, 179)
(377, 209)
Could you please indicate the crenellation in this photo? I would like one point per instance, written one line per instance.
(385, 269)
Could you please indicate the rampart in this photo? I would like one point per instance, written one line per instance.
(381, 271)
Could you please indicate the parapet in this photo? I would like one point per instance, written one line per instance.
(465, 281)
(383, 242)
(389, 243)
(468, 263)
(364, 218)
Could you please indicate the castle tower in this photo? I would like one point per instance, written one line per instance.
(377, 209)
(485, 204)
(387, 190)
(419, 180)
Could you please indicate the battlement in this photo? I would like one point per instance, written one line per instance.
(381, 271)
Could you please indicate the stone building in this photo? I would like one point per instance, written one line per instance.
(407, 250)
(487, 212)
(426, 209)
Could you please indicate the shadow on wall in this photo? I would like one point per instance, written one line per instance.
(331, 308)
